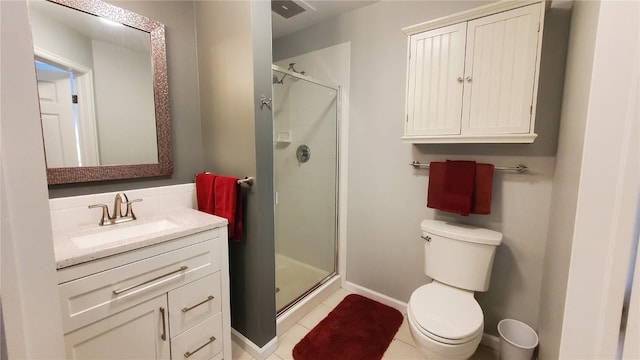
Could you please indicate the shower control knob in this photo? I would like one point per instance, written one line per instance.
(303, 154)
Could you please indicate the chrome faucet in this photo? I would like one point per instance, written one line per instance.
(117, 216)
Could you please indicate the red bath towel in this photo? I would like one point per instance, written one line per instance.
(204, 192)
(219, 195)
(228, 204)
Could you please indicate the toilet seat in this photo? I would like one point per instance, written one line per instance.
(446, 314)
(441, 339)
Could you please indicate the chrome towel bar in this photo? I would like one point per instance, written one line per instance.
(247, 180)
(521, 168)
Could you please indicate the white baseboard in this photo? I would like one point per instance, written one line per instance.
(361, 290)
(258, 353)
(491, 341)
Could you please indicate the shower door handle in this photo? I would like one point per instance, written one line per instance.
(265, 101)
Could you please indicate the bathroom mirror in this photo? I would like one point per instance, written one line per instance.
(103, 91)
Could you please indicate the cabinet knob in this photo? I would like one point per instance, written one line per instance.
(460, 79)
(468, 78)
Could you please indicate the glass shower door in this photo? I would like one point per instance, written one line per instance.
(305, 117)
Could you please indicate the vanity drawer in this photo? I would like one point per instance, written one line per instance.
(99, 295)
(203, 341)
(194, 302)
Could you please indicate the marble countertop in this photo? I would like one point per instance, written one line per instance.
(187, 221)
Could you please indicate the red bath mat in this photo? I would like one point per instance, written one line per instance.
(358, 328)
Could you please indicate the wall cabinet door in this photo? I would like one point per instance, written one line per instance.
(474, 81)
(500, 71)
(135, 333)
(436, 65)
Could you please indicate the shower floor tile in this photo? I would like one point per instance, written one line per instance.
(294, 278)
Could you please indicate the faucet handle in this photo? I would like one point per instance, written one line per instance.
(130, 208)
(105, 212)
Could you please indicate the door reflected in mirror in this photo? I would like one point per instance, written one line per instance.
(95, 89)
(103, 92)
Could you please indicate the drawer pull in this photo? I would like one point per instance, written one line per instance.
(209, 298)
(164, 325)
(118, 292)
(211, 339)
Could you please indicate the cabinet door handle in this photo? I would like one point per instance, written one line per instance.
(164, 325)
(189, 353)
(209, 298)
(468, 78)
(118, 292)
(460, 79)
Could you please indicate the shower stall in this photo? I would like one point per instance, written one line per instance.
(305, 125)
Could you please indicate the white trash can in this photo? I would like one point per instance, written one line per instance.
(517, 340)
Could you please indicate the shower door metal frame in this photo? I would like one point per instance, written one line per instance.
(307, 78)
(338, 91)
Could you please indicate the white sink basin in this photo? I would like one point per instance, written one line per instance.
(119, 232)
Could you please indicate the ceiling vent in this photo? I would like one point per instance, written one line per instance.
(286, 8)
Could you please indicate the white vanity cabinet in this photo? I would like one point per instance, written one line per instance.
(165, 301)
(129, 334)
(473, 77)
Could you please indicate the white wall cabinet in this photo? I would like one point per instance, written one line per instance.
(473, 77)
(167, 301)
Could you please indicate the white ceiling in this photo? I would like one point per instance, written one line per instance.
(316, 11)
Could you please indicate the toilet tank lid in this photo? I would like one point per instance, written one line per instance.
(462, 232)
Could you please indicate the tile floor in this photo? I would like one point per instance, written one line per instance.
(401, 348)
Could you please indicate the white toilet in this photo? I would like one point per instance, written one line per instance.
(445, 319)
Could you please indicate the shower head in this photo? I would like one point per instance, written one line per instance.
(275, 79)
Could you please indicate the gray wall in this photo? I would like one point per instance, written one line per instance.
(234, 59)
(387, 197)
(179, 20)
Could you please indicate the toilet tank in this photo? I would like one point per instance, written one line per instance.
(459, 255)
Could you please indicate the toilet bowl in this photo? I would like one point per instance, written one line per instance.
(445, 320)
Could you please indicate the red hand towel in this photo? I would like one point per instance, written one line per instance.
(204, 192)
(482, 192)
(438, 198)
(458, 186)
(436, 185)
(227, 204)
